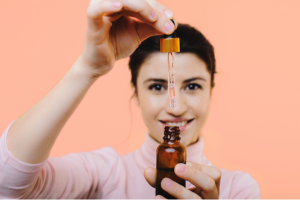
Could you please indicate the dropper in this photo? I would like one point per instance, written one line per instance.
(170, 44)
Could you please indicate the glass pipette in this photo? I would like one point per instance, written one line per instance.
(171, 79)
(170, 44)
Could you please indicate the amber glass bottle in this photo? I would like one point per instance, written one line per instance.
(169, 154)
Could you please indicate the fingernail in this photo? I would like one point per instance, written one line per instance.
(116, 4)
(169, 26)
(154, 15)
(190, 164)
(167, 183)
(180, 168)
(159, 197)
(169, 13)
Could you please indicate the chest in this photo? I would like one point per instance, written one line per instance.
(136, 185)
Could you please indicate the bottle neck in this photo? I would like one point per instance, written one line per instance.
(171, 134)
(171, 142)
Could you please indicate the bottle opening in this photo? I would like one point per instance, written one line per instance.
(171, 133)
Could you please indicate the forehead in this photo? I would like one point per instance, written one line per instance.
(187, 65)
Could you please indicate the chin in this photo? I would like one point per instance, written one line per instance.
(188, 139)
(184, 141)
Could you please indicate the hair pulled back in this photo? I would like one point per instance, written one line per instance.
(191, 41)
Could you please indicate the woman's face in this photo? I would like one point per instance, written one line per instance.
(193, 95)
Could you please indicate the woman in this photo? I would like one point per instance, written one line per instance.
(26, 170)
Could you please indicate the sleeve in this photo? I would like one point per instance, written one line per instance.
(71, 176)
(244, 187)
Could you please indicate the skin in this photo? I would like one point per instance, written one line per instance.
(192, 98)
(110, 35)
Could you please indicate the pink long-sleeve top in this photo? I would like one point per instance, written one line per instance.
(103, 174)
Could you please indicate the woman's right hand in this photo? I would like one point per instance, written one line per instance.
(113, 34)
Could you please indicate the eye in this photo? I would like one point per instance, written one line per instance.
(157, 87)
(193, 86)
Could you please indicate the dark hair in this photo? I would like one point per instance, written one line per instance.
(191, 41)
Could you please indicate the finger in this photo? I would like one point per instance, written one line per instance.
(213, 172)
(97, 10)
(159, 197)
(135, 15)
(161, 9)
(150, 176)
(195, 190)
(138, 16)
(139, 10)
(199, 179)
(177, 190)
(142, 7)
(144, 30)
(161, 26)
(113, 17)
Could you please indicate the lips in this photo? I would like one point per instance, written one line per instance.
(181, 123)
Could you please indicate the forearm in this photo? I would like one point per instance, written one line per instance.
(33, 134)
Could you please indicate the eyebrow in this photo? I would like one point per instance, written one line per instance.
(165, 81)
(193, 79)
(156, 80)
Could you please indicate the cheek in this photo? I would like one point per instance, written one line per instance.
(151, 105)
(199, 104)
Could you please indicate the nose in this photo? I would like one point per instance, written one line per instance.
(180, 105)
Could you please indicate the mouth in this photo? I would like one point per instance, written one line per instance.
(181, 123)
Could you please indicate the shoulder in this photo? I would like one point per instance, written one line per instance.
(238, 185)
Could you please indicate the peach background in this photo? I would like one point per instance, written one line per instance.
(254, 119)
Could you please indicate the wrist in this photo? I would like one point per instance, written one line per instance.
(82, 71)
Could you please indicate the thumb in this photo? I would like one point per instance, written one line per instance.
(150, 176)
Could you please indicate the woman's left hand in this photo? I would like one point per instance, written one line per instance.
(205, 178)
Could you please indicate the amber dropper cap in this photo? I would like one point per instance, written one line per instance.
(170, 43)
